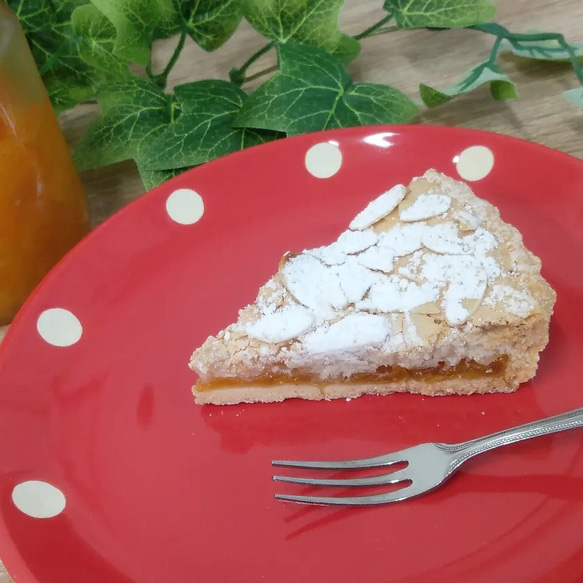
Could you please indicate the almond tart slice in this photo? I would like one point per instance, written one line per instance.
(428, 291)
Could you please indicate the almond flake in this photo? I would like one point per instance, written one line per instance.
(396, 294)
(427, 329)
(403, 239)
(355, 280)
(314, 285)
(427, 308)
(464, 279)
(348, 243)
(282, 325)
(472, 305)
(467, 220)
(351, 333)
(378, 208)
(377, 258)
(444, 238)
(456, 313)
(426, 206)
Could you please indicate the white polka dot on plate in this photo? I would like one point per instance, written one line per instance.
(185, 206)
(59, 327)
(38, 499)
(323, 160)
(474, 163)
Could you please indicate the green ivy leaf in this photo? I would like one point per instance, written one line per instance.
(152, 178)
(440, 13)
(204, 130)
(500, 84)
(47, 25)
(33, 14)
(313, 91)
(53, 43)
(211, 23)
(96, 40)
(132, 112)
(575, 96)
(137, 23)
(310, 22)
(66, 93)
(548, 50)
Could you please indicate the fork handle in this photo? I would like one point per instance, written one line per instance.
(463, 451)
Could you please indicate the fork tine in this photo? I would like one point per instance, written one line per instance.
(394, 478)
(374, 500)
(369, 462)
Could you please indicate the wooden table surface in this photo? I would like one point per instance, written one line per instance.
(403, 59)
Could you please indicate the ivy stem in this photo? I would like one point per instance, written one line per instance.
(385, 30)
(163, 76)
(515, 38)
(238, 75)
(374, 27)
(260, 73)
(494, 51)
(149, 72)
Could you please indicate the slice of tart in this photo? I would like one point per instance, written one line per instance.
(428, 291)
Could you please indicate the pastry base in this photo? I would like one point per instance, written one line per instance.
(262, 394)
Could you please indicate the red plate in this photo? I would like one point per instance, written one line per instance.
(158, 489)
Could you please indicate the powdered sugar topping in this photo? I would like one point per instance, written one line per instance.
(397, 294)
(419, 273)
(403, 239)
(348, 243)
(516, 302)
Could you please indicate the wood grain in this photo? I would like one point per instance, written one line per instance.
(402, 59)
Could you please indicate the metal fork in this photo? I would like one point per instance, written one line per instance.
(428, 465)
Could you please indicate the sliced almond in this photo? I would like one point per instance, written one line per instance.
(286, 257)
(427, 329)
(378, 208)
(427, 309)
(489, 316)
(377, 259)
(409, 266)
(313, 284)
(444, 239)
(387, 223)
(467, 220)
(420, 186)
(407, 202)
(460, 302)
(471, 305)
(426, 206)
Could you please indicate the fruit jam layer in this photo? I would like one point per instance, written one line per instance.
(465, 369)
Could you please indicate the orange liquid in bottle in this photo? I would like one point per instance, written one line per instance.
(43, 207)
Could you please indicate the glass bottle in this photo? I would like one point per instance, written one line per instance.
(43, 207)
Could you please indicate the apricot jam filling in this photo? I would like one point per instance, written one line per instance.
(465, 369)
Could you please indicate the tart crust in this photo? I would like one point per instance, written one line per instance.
(427, 277)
